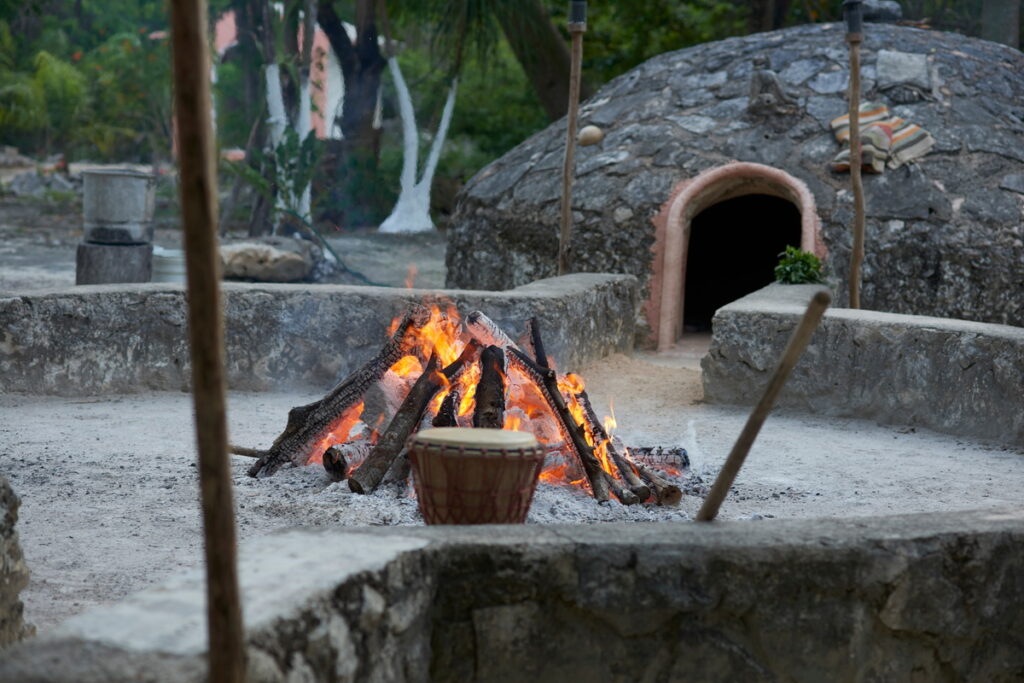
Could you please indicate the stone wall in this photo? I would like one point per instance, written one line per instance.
(13, 572)
(952, 376)
(128, 338)
(929, 597)
(945, 234)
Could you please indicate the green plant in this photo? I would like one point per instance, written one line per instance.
(798, 267)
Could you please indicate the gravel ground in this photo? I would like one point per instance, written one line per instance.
(108, 485)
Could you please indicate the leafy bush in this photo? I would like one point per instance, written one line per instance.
(798, 267)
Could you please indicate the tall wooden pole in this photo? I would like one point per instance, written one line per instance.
(797, 343)
(854, 36)
(198, 188)
(577, 27)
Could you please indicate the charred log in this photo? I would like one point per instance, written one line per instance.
(628, 474)
(372, 471)
(547, 381)
(665, 492)
(448, 413)
(369, 475)
(490, 391)
(533, 326)
(309, 424)
(625, 495)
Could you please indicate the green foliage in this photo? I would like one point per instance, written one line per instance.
(281, 174)
(625, 33)
(798, 267)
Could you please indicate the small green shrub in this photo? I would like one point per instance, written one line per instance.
(798, 267)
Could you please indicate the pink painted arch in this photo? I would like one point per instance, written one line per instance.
(665, 307)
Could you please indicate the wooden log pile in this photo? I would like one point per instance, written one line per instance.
(364, 463)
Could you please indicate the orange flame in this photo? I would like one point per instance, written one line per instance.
(407, 365)
(526, 409)
(340, 431)
(410, 276)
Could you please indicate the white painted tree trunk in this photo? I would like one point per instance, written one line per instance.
(412, 210)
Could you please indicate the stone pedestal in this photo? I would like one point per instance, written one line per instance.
(98, 264)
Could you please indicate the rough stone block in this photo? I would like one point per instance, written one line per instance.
(127, 338)
(100, 264)
(13, 571)
(929, 597)
(952, 376)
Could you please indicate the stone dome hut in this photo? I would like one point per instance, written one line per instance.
(695, 191)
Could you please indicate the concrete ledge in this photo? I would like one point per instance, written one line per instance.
(129, 338)
(952, 376)
(933, 597)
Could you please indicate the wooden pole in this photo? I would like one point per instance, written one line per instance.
(198, 187)
(577, 27)
(857, 254)
(797, 344)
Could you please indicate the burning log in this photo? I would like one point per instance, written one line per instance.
(490, 391)
(547, 381)
(625, 495)
(447, 414)
(338, 457)
(533, 327)
(639, 489)
(665, 492)
(309, 424)
(372, 471)
(487, 332)
(369, 475)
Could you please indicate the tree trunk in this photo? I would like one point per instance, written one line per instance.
(767, 15)
(355, 160)
(542, 53)
(1000, 21)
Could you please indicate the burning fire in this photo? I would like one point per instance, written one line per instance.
(526, 408)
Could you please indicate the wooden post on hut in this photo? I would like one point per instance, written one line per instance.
(854, 36)
(198, 188)
(577, 27)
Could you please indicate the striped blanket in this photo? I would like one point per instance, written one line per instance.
(884, 139)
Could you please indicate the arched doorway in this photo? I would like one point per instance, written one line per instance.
(690, 198)
(733, 249)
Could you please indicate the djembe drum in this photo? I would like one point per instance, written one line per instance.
(474, 476)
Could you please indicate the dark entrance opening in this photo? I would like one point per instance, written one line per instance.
(733, 249)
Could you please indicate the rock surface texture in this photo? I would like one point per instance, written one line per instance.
(13, 572)
(915, 597)
(944, 234)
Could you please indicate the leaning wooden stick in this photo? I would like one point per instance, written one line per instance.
(197, 180)
(246, 452)
(797, 343)
(577, 27)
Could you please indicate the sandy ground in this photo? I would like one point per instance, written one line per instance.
(108, 485)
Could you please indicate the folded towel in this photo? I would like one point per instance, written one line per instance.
(885, 139)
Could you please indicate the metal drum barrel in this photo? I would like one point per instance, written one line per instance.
(118, 206)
